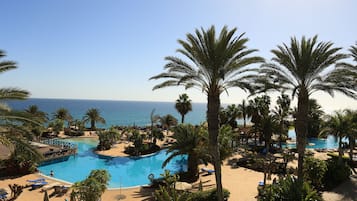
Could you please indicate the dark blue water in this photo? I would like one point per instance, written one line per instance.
(117, 113)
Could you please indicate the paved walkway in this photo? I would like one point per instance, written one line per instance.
(347, 191)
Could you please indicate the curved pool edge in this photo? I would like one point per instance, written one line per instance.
(69, 183)
(54, 178)
(128, 156)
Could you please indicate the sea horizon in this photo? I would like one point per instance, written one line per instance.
(115, 112)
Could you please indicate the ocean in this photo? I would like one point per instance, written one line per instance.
(115, 113)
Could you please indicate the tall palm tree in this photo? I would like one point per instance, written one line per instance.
(244, 112)
(188, 140)
(93, 115)
(215, 64)
(183, 106)
(64, 115)
(306, 67)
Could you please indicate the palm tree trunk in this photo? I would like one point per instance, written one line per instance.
(213, 106)
(340, 151)
(281, 134)
(192, 166)
(92, 125)
(244, 121)
(351, 141)
(301, 130)
(182, 118)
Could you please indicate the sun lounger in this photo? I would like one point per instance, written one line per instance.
(3, 194)
(38, 185)
(49, 186)
(59, 191)
(207, 170)
(36, 180)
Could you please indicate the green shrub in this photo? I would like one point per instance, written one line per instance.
(314, 172)
(210, 195)
(336, 173)
(287, 189)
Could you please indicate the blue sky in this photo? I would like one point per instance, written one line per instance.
(89, 49)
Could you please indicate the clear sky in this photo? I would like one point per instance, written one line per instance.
(90, 49)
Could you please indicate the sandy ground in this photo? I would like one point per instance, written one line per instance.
(241, 182)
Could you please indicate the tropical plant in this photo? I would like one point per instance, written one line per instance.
(231, 114)
(155, 133)
(306, 67)
(352, 134)
(336, 173)
(183, 106)
(40, 117)
(339, 126)
(64, 115)
(314, 172)
(289, 189)
(280, 113)
(107, 138)
(11, 131)
(168, 191)
(264, 122)
(215, 64)
(21, 160)
(92, 188)
(57, 125)
(243, 110)
(225, 139)
(137, 138)
(315, 114)
(167, 121)
(93, 116)
(188, 139)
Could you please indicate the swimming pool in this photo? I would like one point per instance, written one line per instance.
(124, 171)
(316, 143)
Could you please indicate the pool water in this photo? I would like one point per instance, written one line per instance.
(330, 142)
(124, 171)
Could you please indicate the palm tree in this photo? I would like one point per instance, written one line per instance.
(183, 106)
(35, 112)
(92, 188)
(243, 110)
(305, 67)
(352, 134)
(168, 121)
(339, 126)
(155, 132)
(215, 64)
(280, 114)
(39, 116)
(188, 140)
(232, 114)
(10, 131)
(64, 115)
(93, 115)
